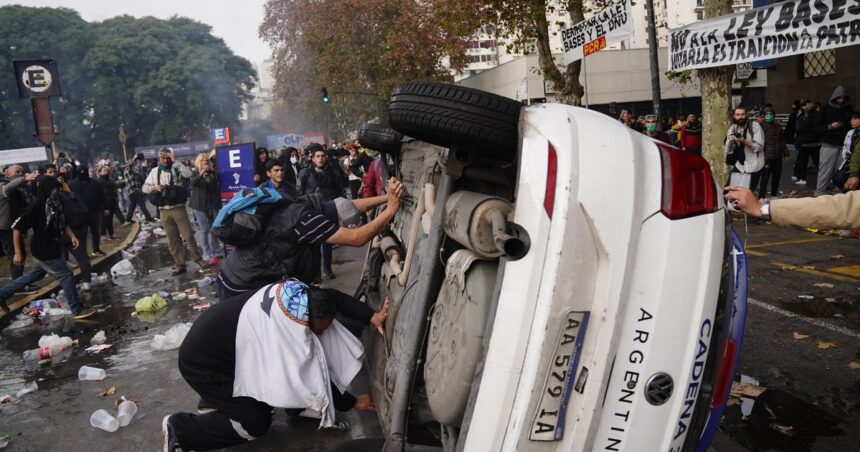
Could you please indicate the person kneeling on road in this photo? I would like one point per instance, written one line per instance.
(293, 234)
(277, 347)
(836, 212)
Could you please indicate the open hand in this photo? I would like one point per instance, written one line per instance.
(395, 192)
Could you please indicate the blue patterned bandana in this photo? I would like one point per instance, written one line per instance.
(293, 300)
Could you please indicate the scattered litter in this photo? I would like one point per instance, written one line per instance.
(95, 349)
(800, 337)
(824, 284)
(179, 296)
(122, 268)
(32, 387)
(5, 399)
(824, 345)
(207, 281)
(128, 255)
(805, 297)
(809, 267)
(786, 430)
(172, 338)
(159, 232)
(830, 300)
(193, 296)
(151, 303)
(108, 392)
(125, 412)
(746, 390)
(837, 256)
(101, 419)
(19, 325)
(91, 373)
(164, 294)
(101, 279)
(854, 365)
(5, 440)
(202, 306)
(99, 338)
(56, 343)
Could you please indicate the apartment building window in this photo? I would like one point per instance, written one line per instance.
(700, 15)
(820, 63)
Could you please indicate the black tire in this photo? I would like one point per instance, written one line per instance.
(380, 138)
(448, 115)
(360, 445)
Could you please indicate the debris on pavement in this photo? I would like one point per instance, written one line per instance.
(799, 337)
(202, 306)
(150, 303)
(5, 440)
(103, 420)
(805, 297)
(824, 284)
(830, 300)
(5, 399)
(108, 392)
(179, 296)
(172, 338)
(159, 232)
(99, 338)
(837, 256)
(87, 373)
(786, 430)
(122, 268)
(854, 365)
(824, 345)
(95, 349)
(32, 387)
(746, 390)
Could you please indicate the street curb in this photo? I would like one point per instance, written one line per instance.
(41, 293)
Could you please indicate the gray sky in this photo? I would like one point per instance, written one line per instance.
(235, 21)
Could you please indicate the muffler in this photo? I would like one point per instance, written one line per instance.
(479, 222)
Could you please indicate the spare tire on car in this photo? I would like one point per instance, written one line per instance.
(451, 115)
(380, 138)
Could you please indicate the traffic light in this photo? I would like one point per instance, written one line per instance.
(325, 96)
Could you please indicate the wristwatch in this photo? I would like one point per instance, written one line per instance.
(765, 209)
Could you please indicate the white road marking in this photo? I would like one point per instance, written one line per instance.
(819, 323)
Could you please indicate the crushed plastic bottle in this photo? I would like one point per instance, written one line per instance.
(172, 338)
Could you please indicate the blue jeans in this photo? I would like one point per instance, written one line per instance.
(56, 268)
(209, 244)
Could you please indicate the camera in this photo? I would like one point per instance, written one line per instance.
(738, 135)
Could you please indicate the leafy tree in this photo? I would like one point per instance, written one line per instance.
(716, 86)
(62, 35)
(359, 50)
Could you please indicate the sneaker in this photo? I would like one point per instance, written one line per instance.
(329, 275)
(794, 178)
(170, 442)
(98, 253)
(177, 271)
(801, 182)
(85, 287)
(204, 407)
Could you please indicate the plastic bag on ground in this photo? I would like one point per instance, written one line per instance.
(19, 325)
(55, 343)
(99, 338)
(172, 338)
(151, 303)
(127, 255)
(32, 387)
(159, 232)
(122, 268)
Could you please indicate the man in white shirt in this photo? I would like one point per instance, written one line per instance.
(748, 134)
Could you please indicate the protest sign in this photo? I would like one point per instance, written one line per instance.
(297, 141)
(235, 168)
(607, 27)
(180, 150)
(23, 155)
(774, 31)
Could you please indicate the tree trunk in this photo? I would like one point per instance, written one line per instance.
(716, 95)
(716, 86)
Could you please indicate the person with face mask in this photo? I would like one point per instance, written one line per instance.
(93, 195)
(832, 123)
(109, 185)
(774, 151)
(294, 164)
(744, 146)
(652, 131)
(691, 135)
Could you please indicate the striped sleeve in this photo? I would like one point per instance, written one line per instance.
(314, 229)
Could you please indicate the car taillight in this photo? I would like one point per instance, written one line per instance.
(688, 186)
(727, 371)
(551, 170)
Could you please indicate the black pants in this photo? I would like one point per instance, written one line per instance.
(80, 253)
(236, 420)
(137, 199)
(95, 225)
(354, 186)
(9, 249)
(772, 169)
(107, 218)
(804, 153)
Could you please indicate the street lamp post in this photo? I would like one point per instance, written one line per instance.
(122, 140)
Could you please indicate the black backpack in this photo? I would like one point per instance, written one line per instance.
(55, 216)
(74, 209)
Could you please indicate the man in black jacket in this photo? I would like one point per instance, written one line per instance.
(833, 124)
(92, 194)
(326, 180)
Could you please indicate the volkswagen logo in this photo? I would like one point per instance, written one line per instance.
(659, 388)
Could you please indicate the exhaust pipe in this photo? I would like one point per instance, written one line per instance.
(479, 222)
(510, 246)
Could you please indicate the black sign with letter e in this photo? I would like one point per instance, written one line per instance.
(37, 78)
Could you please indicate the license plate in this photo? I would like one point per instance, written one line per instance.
(548, 423)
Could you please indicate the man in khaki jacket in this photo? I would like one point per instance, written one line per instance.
(832, 212)
(168, 189)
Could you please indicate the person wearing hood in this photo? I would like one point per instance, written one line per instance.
(44, 216)
(774, 151)
(93, 195)
(833, 123)
(11, 204)
(167, 186)
(111, 202)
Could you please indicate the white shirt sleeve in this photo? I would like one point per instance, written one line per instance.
(150, 181)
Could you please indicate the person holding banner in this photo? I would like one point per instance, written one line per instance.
(744, 148)
(833, 124)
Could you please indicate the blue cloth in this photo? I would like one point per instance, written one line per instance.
(294, 299)
(246, 200)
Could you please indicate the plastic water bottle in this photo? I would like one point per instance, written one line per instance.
(37, 354)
